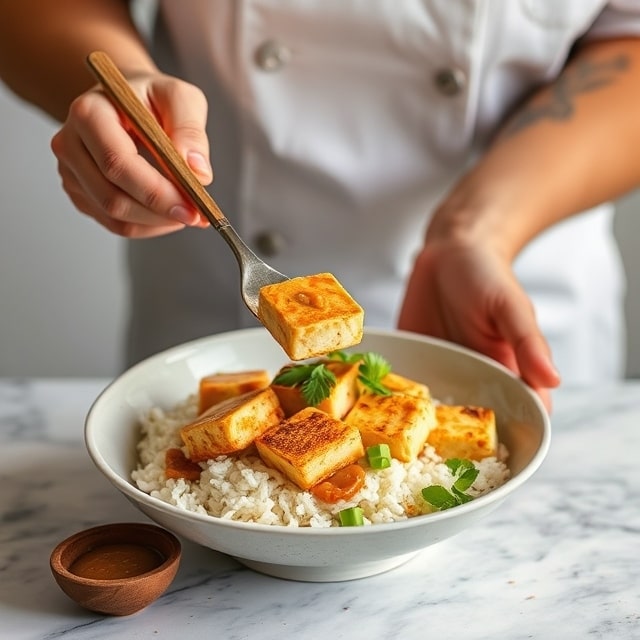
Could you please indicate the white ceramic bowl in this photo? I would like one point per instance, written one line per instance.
(453, 374)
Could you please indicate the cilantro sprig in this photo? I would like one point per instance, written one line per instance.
(373, 369)
(465, 474)
(316, 380)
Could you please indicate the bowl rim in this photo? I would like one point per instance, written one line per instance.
(495, 496)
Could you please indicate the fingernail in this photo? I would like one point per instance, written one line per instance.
(183, 215)
(199, 164)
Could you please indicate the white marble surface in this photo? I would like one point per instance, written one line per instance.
(559, 559)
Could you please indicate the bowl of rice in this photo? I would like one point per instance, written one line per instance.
(241, 506)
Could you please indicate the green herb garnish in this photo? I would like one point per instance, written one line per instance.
(315, 381)
(372, 370)
(351, 517)
(343, 356)
(379, 456)
(439, 497)
(465, 474)
(319, 385)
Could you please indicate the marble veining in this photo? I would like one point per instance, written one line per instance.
(559, 559)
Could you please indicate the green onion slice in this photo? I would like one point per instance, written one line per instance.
(351, 517)
(379, 456)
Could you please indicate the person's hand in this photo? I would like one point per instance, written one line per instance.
(469, 295)
(109, 177)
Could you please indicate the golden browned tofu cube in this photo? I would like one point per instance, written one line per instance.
(310, 446)
(464, 432)
(220, 386)
(231, 425)
(399, 384)
(310, 316)
(401, 421)
(341, 399)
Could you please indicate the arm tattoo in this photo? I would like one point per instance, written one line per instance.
(582, 77)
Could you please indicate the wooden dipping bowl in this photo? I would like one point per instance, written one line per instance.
(116, 569)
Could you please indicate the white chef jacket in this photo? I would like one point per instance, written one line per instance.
(337, 125)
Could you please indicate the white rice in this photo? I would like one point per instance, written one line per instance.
(243, 488)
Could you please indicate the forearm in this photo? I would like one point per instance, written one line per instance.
(571, 146)
(43, 46)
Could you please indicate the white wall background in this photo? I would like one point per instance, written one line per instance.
(62, 289)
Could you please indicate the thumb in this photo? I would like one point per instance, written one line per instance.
(181, 109)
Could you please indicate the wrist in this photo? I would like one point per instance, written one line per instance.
(480, 212)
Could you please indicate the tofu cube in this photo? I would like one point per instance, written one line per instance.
(399, 384)
(231, 425)
(220, 386)
(310, 316)
(341, 399)
(464, 432)
(401, 421)
(310, 446)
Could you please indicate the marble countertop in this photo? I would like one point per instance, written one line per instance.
(559, 559)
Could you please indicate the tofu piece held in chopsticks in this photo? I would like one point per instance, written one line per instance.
(217, 387)
(401, 421)
(341, 398)
(311, 316)
(231, 425)
(464, 432)
(310, 446)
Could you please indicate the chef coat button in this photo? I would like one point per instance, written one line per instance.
(269, 243)
(272, 55)
(450, 82)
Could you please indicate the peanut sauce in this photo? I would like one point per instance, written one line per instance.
(310, 299)
(116, 561)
